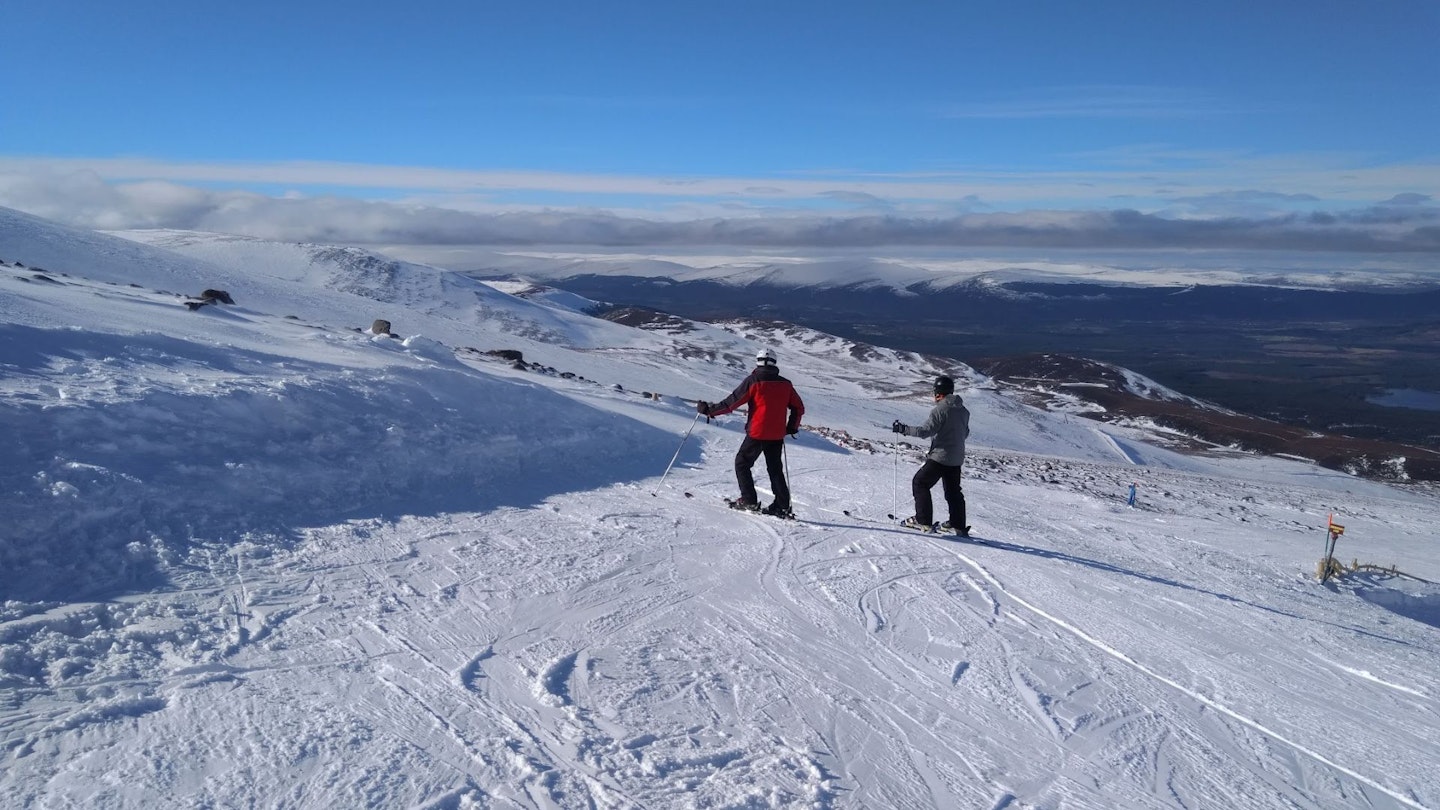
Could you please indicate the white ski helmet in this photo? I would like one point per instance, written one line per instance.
(765, 357)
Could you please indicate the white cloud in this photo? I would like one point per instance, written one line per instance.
(1136, 175)
(435, 206)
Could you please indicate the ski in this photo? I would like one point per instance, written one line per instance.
(940, 530)
(754, 508)
(961, 537)
(738, 505)
(963, 534)
(862, 518)
(909, 523)
(935, 528)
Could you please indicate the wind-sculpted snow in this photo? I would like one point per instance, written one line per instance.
(321, 271)
(248, 560)
(183, 444)
(1417, 601)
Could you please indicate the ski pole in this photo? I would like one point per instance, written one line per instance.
(683, 439)
(896, 490)
(785, 457)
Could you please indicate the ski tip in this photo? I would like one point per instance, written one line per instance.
(688, 495)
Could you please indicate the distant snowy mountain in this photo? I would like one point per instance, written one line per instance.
(901, 270)
(257, 555)
(548, 295)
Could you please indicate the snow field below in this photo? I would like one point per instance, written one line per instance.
(620, 649)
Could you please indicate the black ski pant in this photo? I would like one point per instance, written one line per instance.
(930, 472)
(750, 451)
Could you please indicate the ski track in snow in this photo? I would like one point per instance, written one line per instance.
(1122, 449)
(567, 729)
(1109, 650)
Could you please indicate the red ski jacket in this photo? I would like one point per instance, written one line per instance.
(775, 408)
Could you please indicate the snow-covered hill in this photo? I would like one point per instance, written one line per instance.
(899, 269)
(256, 555)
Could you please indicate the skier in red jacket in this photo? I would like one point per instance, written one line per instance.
(775, 411)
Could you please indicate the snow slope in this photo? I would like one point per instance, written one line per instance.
(255, 556)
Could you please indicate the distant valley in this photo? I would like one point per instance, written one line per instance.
(1327, 360)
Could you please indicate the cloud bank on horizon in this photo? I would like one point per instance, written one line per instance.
(920, 212)
(770, 125)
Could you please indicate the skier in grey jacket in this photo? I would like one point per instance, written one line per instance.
(947, 428)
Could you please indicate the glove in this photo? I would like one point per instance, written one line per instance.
(899, 427)
(702, 407)
(792, 429)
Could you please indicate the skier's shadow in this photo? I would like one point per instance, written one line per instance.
(1115, 569)
(982, 543)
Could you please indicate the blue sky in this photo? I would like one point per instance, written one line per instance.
(162, 113)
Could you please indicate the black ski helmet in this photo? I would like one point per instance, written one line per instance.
(944, 386)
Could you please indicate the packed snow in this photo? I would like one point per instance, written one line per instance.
(257, 555)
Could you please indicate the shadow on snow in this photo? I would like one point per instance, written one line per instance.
(1425, 609)
(220, 446)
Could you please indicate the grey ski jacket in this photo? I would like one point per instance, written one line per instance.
(947, 428)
